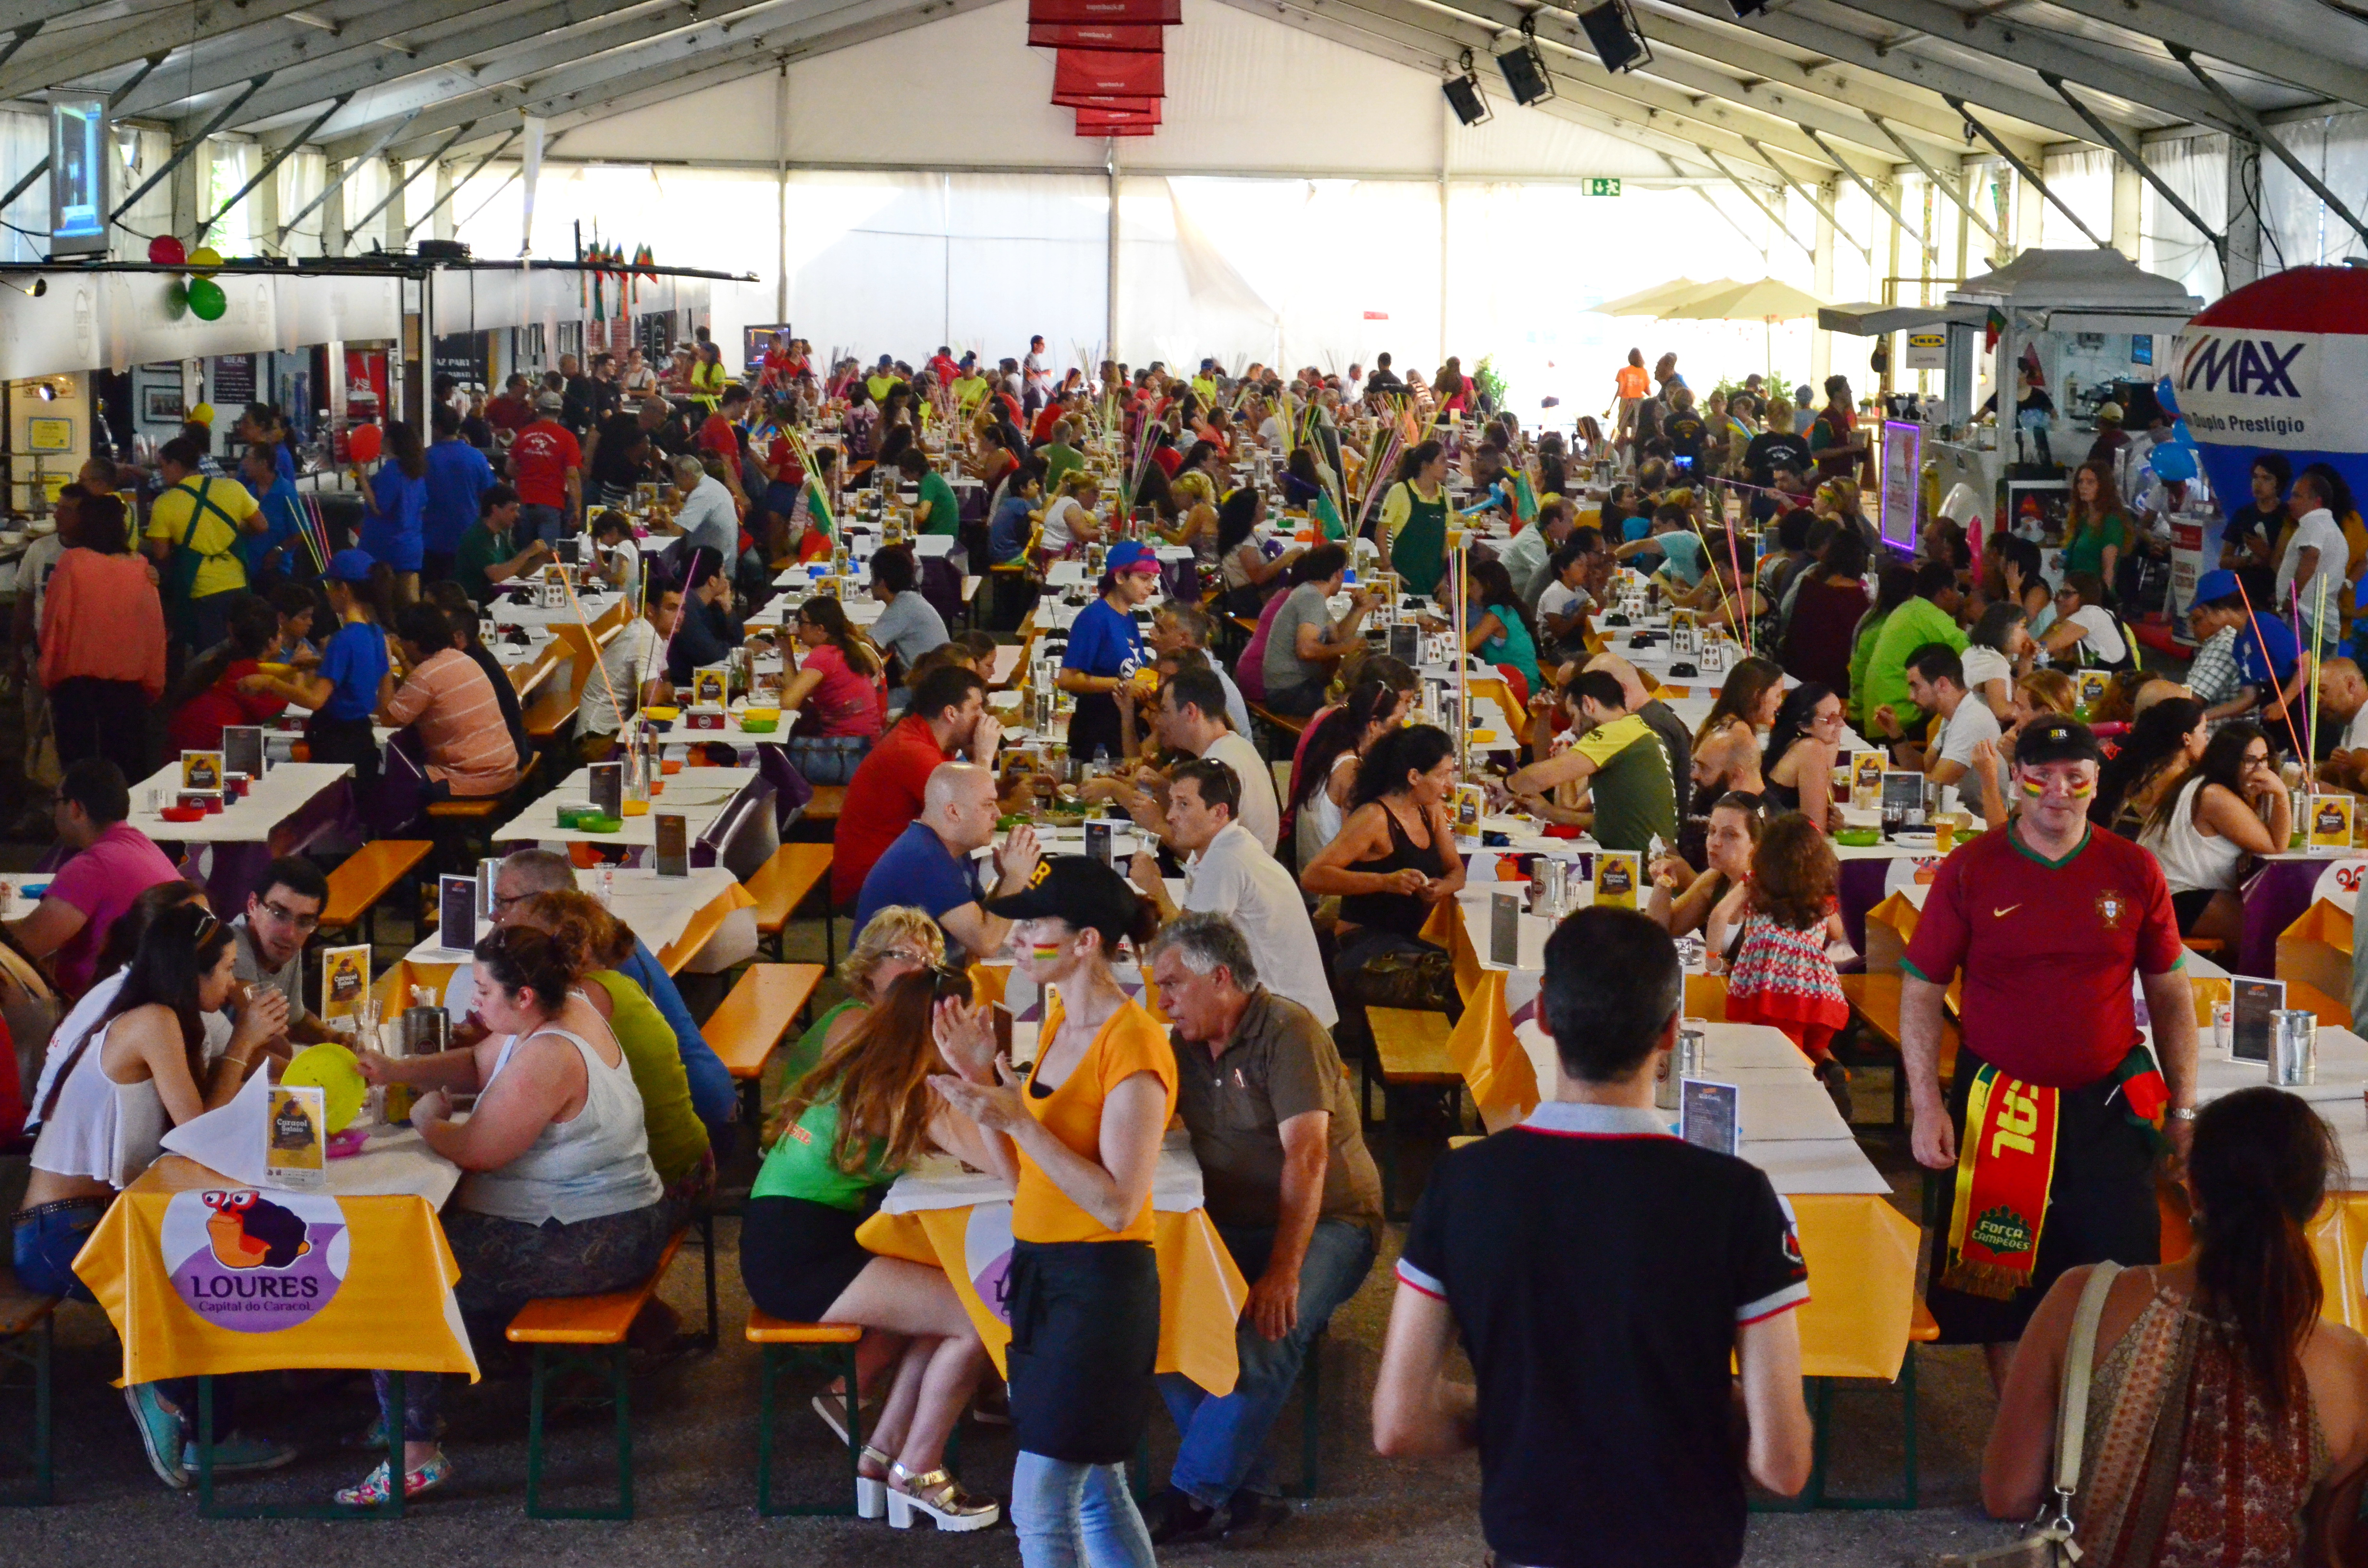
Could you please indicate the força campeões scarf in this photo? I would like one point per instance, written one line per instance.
(2006, 1169)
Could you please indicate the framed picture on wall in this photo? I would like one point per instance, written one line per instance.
(2037, 509)
(162, 406)
(49, 433)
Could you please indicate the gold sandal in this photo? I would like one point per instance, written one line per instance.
(941, 1497)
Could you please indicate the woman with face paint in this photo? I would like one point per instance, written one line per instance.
(1084, 1291)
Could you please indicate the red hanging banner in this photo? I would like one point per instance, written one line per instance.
(1155, 13)
(1124, 38)
(1100, 102)
(1119, 111)
(1079, 72)
(1098, 131)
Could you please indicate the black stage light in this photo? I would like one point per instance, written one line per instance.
(1618, 42)
(1463, 95)
(1525, 69)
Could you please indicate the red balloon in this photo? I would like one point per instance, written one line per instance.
(363, 442)
(166, 251)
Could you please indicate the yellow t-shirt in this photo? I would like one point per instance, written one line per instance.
(1129, 1043)
(215, 539)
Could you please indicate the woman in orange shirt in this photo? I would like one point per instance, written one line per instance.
(1083, 1289)
(1634, 387)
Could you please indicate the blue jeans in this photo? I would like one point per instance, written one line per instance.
(545, 522)
(1076, 1516)
(1223, 1450)
(46, 1241)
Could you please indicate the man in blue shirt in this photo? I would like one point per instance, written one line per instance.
(929, 868)
(2230, 676)
(456, 475)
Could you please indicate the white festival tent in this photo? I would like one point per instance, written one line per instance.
(892, 173)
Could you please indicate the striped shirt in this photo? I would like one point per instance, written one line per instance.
(460, 721)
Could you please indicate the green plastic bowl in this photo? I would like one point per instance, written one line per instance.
(1858, 837)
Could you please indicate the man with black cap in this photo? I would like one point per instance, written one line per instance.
(2058, 1108)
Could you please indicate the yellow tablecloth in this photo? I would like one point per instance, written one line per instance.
(1200, 1292)
(2315, 950)
(202, 1276)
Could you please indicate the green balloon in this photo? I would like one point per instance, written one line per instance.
(177, 298)
(207, 300)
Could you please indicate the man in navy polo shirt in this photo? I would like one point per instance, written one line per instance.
(930, 867)
(1600, 1274)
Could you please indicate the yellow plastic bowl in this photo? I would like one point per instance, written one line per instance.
(665, 713)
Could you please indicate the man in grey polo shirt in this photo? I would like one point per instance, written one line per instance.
(283, 910)
(1293, 1193)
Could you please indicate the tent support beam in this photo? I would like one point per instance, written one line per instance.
(1865, 185)
(397, 187)
(270, 166)
(181, 154)
(2129, 156)
(1812, 197)
(2027, 172)
(337, 182)
(1753, 196)
(1942, 183)
(2260, 133)
(454, 188)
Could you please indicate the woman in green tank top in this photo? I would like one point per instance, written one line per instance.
(846, 1128)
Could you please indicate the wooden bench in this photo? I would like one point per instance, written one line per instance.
(828, 801)
(782, 886)
(1923, 1329)
(1874, 999)
(748, 1027)
(588, 1333)
(1277, 724)
(459, 824)
(784, 1346)
(367, 875)
(1410, 1049)
(26, 1335)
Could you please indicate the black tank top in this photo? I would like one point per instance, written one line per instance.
(1400, 912)
(1780, 797)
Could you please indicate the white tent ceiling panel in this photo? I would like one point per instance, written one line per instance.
(1529, 144)
(734, 121)
(969, 90)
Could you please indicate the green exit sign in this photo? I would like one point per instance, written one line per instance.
(1603, 187)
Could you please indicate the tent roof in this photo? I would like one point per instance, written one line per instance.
(1800, 91)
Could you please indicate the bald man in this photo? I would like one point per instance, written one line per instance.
(2343, 703)
(1676, 739)
(931, 866)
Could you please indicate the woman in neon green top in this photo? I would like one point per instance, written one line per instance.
(708, 377)
(863, 1114)
(2098, 532)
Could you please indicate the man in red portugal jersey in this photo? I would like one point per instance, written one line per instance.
(2059, 1107)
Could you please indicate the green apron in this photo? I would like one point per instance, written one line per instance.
(1419, 555)
(181, 572)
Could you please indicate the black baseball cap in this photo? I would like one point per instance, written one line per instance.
(1083, 892)
(2055, 738)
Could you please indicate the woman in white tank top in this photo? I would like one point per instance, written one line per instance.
(560, 1199)
(2233, 804)
(137, 1067)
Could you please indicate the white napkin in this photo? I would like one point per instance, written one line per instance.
(229, 1139)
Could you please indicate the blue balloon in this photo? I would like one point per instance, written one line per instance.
(2167, 396)
(2173, 463)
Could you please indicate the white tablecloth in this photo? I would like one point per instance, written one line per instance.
(659, 909)
(939, 1181)
(697, 794)
(273, 799)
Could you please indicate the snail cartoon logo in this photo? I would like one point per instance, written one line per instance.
(249, 1231)
(251, 1262)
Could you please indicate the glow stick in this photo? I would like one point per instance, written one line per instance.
(2315, 667)
(2268, 665)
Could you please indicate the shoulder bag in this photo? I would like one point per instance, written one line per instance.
(2049, 1544)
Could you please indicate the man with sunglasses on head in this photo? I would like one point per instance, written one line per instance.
(281, 912)
(2060, 1105)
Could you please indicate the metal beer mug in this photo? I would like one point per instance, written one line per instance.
(2294, 1047)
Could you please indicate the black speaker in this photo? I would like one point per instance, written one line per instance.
(1614, 34)
(1464, 93)
(1525, 73)
(1746, 8)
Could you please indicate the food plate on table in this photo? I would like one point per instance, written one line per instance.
(1918, 838)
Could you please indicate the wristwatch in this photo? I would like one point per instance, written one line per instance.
(2181, 1113)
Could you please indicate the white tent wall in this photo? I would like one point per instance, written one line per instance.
(2082, 180)
(23, 142)
(2196, 168)
(2297, 228)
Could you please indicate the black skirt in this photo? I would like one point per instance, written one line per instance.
(1093, 726)
(798, 1256)
(1085, 1337)
(348, 741)
(2100, 1207)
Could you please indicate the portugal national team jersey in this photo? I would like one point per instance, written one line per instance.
(2047, 949)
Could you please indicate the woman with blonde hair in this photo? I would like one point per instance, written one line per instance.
(844, 1131)
(893, 943)
(1069, 521)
